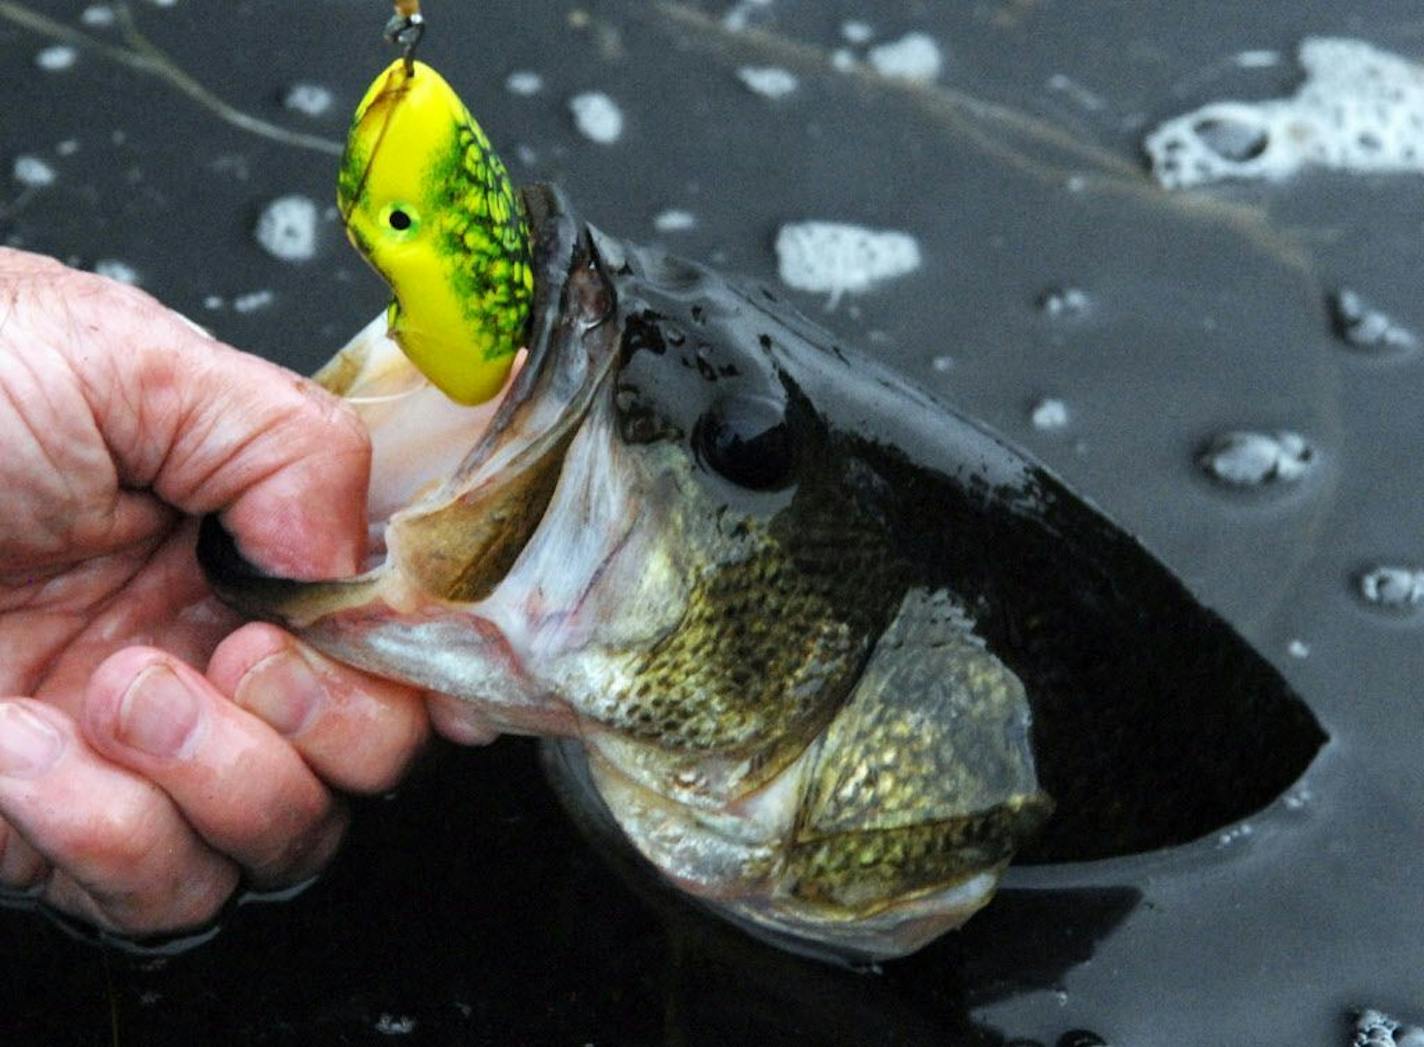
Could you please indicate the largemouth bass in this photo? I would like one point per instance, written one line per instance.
(826, 653)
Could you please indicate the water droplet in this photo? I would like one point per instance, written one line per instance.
(214, 301)
(1298, 798)
(1049, 415)
(1392, 586)
(1063, 303)
(1298, 649)
(1365, 327)
(843, 60)
(1248, 459)
(943, 363)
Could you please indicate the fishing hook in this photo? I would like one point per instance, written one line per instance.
(405, 30)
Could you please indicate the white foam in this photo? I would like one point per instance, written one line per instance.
(1049, 415)
(32, 172)
(524, 82)
(857, 32)
(116, 270)
(68, 147)
(597, 117)
(836, 258)
(771, 81)
(98, 16)
(843, 60)
(915, 57)
(308, 99)
(287, 228)
(253, 301)
(56, 59)
(738, 16)
(1359, 109)
(674, 220)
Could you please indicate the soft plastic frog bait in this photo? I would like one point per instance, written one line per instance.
(428, 203)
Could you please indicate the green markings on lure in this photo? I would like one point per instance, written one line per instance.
(431, 207)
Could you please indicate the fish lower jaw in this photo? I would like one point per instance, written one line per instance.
(896, 930)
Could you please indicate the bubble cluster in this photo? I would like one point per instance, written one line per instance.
(836, 258)
(1251, 459)
(1376, 1029)
(253, 301)
(1063, 302)
(1358, 322)
(1360, 109)
(287, 227)
(1393, 586)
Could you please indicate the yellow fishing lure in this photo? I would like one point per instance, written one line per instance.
(431, 207)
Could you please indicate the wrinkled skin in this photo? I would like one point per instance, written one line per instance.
(801, 634)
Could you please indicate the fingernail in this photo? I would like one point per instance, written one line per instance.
(283, 690)
(158, 713)
(28, 745)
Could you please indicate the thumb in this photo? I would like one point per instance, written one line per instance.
(207, 428)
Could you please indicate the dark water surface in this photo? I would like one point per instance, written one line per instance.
(467, 909)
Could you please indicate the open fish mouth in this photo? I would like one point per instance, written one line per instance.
(822, 652)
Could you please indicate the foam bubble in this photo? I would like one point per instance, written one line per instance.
(32, 172)
(857, 32)
(395, 1025)
(1061, 303)
(597, 117)
(1298, 649)
(1049, 414)
(1247, 459)
(524, 82)
(286, 228)
(770, 81)
(1376, 1029)
(308, 99)
(836, 258)
(116, 270)
(98, 16)
(56, 59)
(253, 301)
(1360, 109)
(674, 220)
(1393, 586)
(843, 60)
(915, 57)
(1365, 327)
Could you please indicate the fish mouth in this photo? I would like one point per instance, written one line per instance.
(452, 507)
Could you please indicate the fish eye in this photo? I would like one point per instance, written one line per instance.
(746, 440)
(401, 219)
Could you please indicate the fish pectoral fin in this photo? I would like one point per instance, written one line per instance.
(927, 774)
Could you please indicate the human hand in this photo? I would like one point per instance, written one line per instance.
(136, 791)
